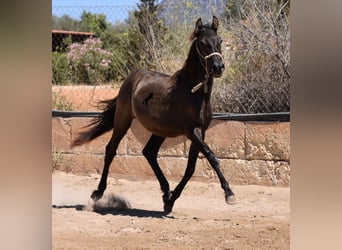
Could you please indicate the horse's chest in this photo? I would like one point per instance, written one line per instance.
(198, 113)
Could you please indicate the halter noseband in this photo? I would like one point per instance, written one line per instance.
(205, 66)
(206, 58)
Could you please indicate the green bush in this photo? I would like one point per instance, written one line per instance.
(60, 68)
(121, 60)
(89, 62)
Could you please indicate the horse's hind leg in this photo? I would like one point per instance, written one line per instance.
(150, 151)
(121, 126)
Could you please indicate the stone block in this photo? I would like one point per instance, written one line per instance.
(226, 139)
(80, 163)
(173, 166)
(249, 153)
(60, 135)
(96, 146)
(137, 137)
(268, 141)
(282, 173)
(256, 172)
(130, 165)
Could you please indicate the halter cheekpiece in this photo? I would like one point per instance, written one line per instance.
(205, 66)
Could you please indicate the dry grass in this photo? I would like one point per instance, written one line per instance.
(258, 77)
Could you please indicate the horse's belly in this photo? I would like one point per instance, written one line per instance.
(161, 124)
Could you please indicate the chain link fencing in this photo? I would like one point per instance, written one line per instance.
(255, 50)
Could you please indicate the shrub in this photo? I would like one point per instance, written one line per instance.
(258, 78)
(60, 68)
(117, 42)
(147, 35)
(89, 62)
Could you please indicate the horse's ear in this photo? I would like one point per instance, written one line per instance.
(198, 27)
(215, 23)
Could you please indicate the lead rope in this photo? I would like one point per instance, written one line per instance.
(198, 86)
(207, 74)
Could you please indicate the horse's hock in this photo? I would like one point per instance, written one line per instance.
(249, 152)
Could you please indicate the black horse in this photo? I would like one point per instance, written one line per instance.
(167, 106)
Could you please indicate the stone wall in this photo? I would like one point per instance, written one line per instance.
(249, 152)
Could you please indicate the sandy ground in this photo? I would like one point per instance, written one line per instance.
(130, 216)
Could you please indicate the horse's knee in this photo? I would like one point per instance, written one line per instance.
(145, 152)
(148, 154)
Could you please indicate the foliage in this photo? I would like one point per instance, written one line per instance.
(89, 22)
(95, 23)
(60, 68)
(239, 9)
(89, 62)
(257, 42)
(122, 63)
(185, 12)
(65, 22)
(234, 10)
(114, 40)
(258, 77)
(147, 34)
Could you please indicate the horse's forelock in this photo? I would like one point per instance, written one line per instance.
(195, 34)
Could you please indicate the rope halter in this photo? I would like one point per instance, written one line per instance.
(205, 66)
(206, 58)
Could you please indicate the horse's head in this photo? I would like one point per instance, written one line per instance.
(208, 47)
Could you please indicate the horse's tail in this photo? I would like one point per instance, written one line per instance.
(103, 123)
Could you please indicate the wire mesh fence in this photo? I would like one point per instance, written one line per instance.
(114, 14)
(93, 50)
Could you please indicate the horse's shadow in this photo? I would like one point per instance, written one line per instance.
(133, 212)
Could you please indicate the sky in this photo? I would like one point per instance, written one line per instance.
(93, 2)
(112, 13)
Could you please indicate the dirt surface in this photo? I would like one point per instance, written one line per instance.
(130, 216)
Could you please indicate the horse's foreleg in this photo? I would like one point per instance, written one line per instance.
(190, 169)
(196, 138)
(150, 151)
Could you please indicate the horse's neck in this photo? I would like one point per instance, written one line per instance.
(193, 73)
(188, 77)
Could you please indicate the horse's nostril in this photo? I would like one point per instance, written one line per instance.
(218, 67)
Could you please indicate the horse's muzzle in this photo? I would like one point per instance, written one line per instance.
(218, 68)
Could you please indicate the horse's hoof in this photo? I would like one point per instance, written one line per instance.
(167, 208)
(231, 200)
(96, 195)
